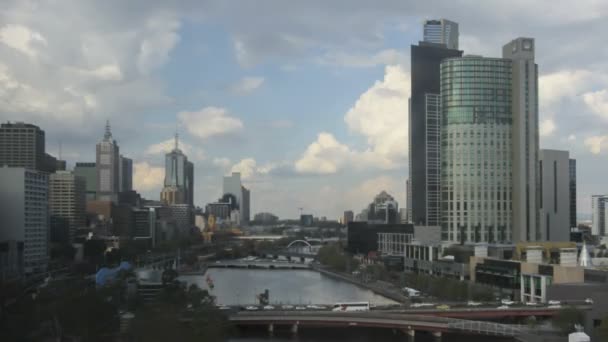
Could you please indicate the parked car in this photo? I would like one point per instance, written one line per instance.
(531, 304)
(555, 306)
(251, 308)
(503, 307)
(269, 307)
(507, 302)
(300, 308)
(472, 303)
(554, 302)
(443, 307)
(589, 301)
(287, 307)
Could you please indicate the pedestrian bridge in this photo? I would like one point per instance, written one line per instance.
(409, 324)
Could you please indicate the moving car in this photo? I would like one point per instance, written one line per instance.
(589, 301)
(421, 305)
(472, 303)
(556, 306)
(554, 302)
(269, 307)
(503, 307)
(287, 307)
(443, 307)
(531, 304)
(300, 308)
(251, 308)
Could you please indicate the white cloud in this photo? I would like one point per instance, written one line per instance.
(247, 85)
(22, 39)
(147, 177)
(161, 37)
(347, 59)
(572, 137)
(598, 102)
(547, 127)
(163, 147)
(594, 143)
(381, 115)
(209, 122)
(250, 169)
(557, 86)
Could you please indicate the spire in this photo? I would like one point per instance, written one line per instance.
(176, 141)
(108, 134)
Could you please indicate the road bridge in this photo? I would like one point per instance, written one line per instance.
(259, 264)
(409, 324)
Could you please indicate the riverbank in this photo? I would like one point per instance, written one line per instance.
(393, 294)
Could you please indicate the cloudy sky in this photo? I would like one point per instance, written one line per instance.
(307, 99)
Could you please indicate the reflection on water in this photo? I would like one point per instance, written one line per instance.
(239, 286)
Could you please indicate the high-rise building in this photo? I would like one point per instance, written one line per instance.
(554, 172)
(245, 210)
(232, 185)
(349, 216)
(572, 164)
(441, 31)
(22, 145)
(67, 205)
(125, 174)
(476, 149)
(424, 126)
(179, 178)
(599, 209)
(88, 171)
(526, 185)
(107, 168)
(25, 214)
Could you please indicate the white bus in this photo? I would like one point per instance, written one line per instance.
(411, 292)
(353, 306)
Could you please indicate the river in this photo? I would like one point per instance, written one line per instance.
(240, 286)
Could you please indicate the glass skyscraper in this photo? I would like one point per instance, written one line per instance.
(476, 121)
(179, 178)
(441, 31)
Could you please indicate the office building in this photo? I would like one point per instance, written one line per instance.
(245, 208)
(219, 210)
(408, 200)
(67, 205)
(363, 237)
(125, 174)
(11, 260)
(232, 185)
(526, 184)
(573, 222)
(424, 123)
(554, 172)
(384, 209)
(306, 220)
(107, 168)
(88, 171)
(179, 178)
(23, 145)
(476, 149)
(441, 31)
(24, 215)
(599, 209)
(349, 216)
(183, 216)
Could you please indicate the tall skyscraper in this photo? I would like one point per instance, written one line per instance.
(179, 178)
(441, 31)
(573, 221)
(232, 185)
(107, 168)
(88, 171)
(245, 210)
(349, 216)
(424, 126)
(125, 174)
(25, 214)
(476, 149)
(526, 185)
(22, 145)
(67, 205)
(599, 211)
(554, 172)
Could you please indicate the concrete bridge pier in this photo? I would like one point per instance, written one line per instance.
(436, 336)
(271, 329)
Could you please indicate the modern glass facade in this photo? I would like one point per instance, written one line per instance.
(476, 171)
(572, 167)
(441, 32)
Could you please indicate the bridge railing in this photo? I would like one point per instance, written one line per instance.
(489, 328)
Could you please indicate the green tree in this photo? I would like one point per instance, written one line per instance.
(567, 318)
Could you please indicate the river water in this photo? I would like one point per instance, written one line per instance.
(240, 286)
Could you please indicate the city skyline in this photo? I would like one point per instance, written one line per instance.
(313, 113)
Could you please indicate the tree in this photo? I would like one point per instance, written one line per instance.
(567, 318)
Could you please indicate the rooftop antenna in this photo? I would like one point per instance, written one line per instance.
(108, 133)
